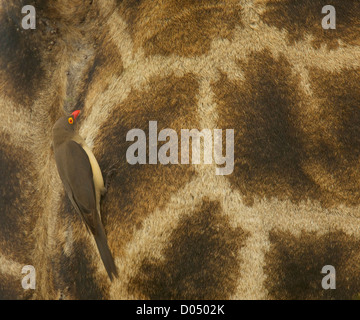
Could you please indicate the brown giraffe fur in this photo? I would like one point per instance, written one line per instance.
(267, 69)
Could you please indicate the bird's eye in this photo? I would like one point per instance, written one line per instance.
(71, 120)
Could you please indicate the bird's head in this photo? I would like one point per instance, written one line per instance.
(64, 127)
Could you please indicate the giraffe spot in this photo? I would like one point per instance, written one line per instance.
(293, 265)
(81, 284)
(290, 146)
(303, 18)
(20, 63)
(199, 262)
(332, 131)
(262, 112)
(17, 198)
(185, 28)
(28, 58)
(136, 190)
(11, 288)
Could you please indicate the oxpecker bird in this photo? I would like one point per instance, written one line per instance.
(83, 182)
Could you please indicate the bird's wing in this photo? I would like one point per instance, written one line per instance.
(76, 173)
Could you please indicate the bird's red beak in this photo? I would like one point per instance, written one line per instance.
(75, 114)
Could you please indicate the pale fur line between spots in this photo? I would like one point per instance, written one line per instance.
(122, 38)
(17, 122)
(10, 267)
(252, 277)
(309, 217)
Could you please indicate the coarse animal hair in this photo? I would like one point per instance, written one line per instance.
(265, 68)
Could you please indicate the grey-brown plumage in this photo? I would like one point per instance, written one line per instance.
(83, 182)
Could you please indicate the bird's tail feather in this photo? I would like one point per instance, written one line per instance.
(104, 250)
